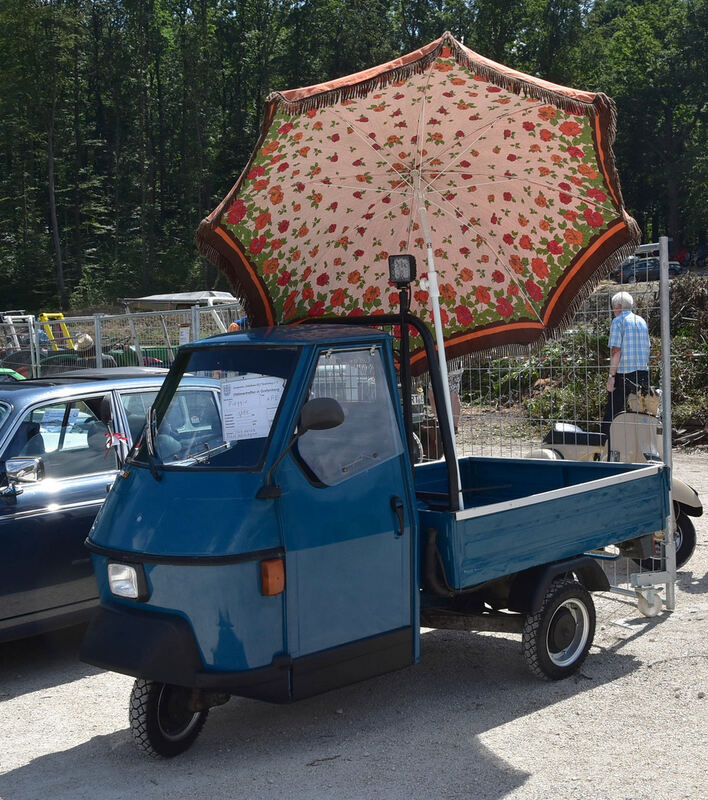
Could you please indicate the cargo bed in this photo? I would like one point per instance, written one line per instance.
(521, 513)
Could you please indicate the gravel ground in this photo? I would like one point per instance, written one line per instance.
(468, 721)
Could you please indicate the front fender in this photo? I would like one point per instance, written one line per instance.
(544, 452)
(687, 498)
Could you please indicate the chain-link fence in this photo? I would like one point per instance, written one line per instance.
(50, 344)
(512, 405)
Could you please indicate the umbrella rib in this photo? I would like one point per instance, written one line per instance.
(495, 255)
(358, 187)
(479, 132)
(370, 143)
(418, 151)
(544, 184)
(421, 120)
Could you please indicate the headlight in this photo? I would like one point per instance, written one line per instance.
(127, 580)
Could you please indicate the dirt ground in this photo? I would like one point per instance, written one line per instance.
(469, 721)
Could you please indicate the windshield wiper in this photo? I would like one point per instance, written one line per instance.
(203, 456)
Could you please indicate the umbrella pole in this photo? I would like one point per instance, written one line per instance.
(435, 297)
(405, 372)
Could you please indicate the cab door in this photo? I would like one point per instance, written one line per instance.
(346, 515)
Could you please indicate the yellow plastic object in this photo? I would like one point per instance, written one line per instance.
(55, 328)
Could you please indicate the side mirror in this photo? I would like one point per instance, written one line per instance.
(320, 414)
(24, 470)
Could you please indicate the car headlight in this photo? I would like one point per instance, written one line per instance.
(127, 580)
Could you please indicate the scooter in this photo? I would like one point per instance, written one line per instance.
(635, 436)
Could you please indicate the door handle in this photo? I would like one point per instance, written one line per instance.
(397, 508)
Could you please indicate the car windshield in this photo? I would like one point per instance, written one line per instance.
(226, 426)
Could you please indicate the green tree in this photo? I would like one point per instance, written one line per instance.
(650, 58)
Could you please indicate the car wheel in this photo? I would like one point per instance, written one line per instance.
(161, 721)
(556, 639)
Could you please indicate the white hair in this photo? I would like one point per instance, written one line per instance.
(623, 300)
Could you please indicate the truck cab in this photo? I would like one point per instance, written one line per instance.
(212, 554)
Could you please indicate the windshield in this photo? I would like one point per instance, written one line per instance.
(226, 421)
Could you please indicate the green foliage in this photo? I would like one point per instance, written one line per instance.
(146, 111)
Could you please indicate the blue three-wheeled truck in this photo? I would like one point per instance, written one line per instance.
(280, 543)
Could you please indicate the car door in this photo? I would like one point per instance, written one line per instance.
(346, 520)
(45, 568)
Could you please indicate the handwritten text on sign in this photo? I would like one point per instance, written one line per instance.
(248, 406)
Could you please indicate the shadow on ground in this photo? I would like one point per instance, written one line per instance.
(397, 736)
(41, 662)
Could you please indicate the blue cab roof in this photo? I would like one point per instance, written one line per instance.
(295, 335)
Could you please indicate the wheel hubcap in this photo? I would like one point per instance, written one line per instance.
(174, 717)
(567, 632)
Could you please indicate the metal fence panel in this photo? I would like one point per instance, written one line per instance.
(51, 344)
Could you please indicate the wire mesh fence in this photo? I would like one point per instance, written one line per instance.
(50, 343)
(510, 404)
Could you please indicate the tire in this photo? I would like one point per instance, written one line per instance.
(685, 538)
(161, 723)
(556, 639)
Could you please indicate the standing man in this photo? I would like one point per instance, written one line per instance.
(629, 357)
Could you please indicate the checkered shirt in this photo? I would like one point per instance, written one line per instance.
(629, 332)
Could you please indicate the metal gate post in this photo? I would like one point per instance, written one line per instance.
(35, 347)
(195, 323)
(138, 351)
(97, 339)
(669, 541)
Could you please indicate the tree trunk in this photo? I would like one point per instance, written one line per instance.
(61, 290)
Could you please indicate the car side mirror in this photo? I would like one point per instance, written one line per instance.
(320, 414)
(24, 470)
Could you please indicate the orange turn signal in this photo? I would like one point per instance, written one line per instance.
(272, 576)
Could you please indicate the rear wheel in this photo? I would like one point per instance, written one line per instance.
(161, 720)
(685, 539)
(557, 638)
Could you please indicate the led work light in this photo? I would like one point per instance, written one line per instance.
(401, 269)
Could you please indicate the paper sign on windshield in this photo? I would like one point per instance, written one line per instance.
(248, 406)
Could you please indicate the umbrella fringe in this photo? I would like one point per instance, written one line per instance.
(208, 251)
(516, 85)
(484, 71)
(548, 335)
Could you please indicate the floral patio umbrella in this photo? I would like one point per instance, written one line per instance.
(510, 179)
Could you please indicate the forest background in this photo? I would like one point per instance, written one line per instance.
(124, 122)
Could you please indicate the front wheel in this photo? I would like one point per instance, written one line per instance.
(161, 720)
(685, 539)
(556, 639)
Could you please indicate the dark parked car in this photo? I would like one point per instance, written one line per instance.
(62, 441)
(642, 269)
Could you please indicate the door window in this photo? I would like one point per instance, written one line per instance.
(136, 405)
(369, 434)
(68, 436)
